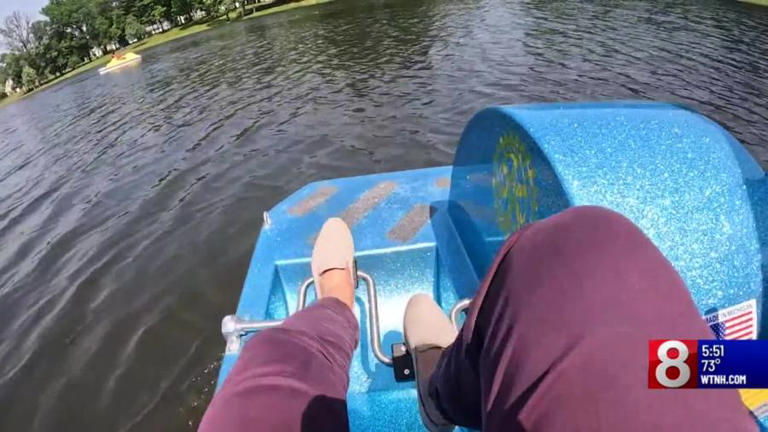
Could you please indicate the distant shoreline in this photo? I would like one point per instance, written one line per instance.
(161, 38)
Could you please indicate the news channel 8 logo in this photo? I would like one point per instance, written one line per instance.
(672, 364)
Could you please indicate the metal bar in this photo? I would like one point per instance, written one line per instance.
(373, 320)
(303, 290)
(457, 309)
(233, 328)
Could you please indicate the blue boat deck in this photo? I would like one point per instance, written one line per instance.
(391, 216)
(687, 183)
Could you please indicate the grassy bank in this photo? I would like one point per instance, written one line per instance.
(174, 33)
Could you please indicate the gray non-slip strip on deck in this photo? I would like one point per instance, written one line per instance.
(309, 203)
(443, 182)
(410, 224)
(367, 202)
(363, 205)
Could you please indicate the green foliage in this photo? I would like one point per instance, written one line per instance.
(28, 77)
(3, 77)
(133, 28)
(12, 65)
(226, 5)
(116, 30)
(181, 7)
(158, 13)
(73, 62)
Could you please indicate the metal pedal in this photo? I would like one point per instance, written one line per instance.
(402, 363)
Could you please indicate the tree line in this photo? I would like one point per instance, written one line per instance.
(38, 51)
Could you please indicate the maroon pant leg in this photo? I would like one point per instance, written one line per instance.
(290, 378)
(557, 336)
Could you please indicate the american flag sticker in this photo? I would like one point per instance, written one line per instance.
(740, 322)
(735, 322)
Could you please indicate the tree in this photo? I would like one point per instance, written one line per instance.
(46, 48)
(12, 65)
(117, 30)
(181, 8)
(133, 28)
(16, 32)
(28, 77)
(227, 5)
(143, 10)
(89, 20)
(24, 38)
(73, 15)
(54, 48)
(11, 68)
(212, 7)
(43, 57)
(3, 78)
(98, 32)
(158, 13)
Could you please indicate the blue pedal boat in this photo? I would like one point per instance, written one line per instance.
(684, 180)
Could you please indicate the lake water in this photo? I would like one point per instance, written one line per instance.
(130, 203)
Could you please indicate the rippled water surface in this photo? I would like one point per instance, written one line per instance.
(129, 203)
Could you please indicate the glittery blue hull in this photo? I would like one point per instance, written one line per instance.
(686, 182)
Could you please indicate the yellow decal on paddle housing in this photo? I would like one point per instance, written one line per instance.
(514, 188)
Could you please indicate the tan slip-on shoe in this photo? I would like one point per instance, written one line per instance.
(428, 331)
(334, 249)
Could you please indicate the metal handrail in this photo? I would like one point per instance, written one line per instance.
(374, 334)
(457, 309)
(233, 328)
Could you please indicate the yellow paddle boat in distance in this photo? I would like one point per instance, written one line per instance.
(119, 61)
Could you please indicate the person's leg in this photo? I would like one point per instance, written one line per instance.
(295, 377)
(557, 336)
(290, 378)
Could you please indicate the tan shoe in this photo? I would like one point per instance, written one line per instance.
(334, 249)
(428, 331)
